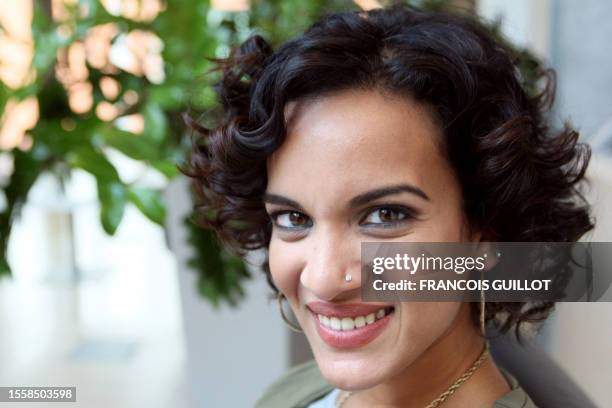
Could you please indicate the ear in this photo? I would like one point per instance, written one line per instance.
(484, 248)
(489, 251)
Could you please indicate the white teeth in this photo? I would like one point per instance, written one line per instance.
(348, 323)
(334, 323)
(360, 321)
(370, 318)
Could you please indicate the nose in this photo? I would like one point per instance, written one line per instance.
(332, 256)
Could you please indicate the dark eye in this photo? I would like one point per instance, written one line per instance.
(387, 216)
(290, 220)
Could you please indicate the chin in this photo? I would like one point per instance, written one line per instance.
(353, 374)
(363, 356)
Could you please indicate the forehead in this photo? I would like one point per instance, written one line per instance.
(356, 139)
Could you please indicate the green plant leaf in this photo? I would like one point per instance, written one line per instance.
(168, 96)
(149, 202)
(134, 146)
(220, 274)
(167, 168)
(5, 269)
(113, 197)
(94, 162)
(156, 123)
(27, 167)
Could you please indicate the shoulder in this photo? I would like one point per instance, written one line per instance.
(516, 397)
(297, 388)
(304, 384)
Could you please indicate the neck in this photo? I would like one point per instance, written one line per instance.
(438, 367)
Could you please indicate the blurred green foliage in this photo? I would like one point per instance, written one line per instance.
(64, 140)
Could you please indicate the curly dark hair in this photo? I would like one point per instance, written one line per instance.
(520, 178)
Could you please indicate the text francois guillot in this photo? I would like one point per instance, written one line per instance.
(459, 265)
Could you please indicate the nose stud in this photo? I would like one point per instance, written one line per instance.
(348, 277)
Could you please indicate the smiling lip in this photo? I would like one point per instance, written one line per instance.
(354, 338)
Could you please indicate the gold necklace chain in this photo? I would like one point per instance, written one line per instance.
(449, 391)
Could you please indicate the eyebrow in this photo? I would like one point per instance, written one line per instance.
(372, 195)
(356, 201)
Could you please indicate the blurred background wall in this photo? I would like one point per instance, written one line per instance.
(577, 41)
(570, 37)
(135, 319)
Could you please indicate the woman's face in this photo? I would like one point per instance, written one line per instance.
(359, 166)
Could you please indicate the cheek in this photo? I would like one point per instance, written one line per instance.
(422, 323)
(285, 266)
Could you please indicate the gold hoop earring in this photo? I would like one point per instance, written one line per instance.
(289, 324)
(483, 314)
